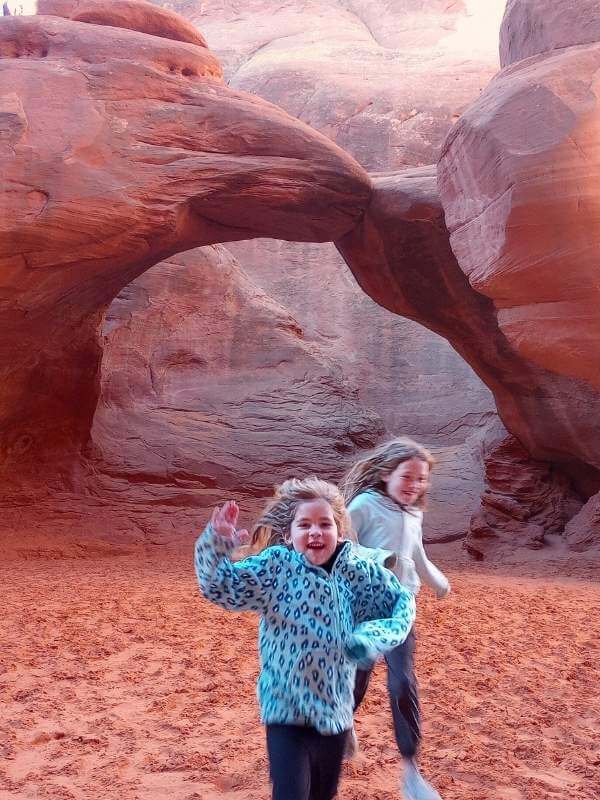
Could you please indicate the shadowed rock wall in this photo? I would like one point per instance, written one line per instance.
(170, 158)
(386, 81)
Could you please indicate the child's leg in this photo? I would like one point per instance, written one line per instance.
(289, 762)
(326, 755)
(361, 682)
(304, 764)
(404, 698)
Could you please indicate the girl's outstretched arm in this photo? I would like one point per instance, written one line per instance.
(385, 612)
(429, 573)
(243, 586)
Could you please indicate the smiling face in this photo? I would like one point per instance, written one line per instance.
(408, 481)
(314, 532)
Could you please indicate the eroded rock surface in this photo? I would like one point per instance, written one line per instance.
(128, 162)
(209, 389)
(401, 255)
(530, 27)
(518, 180)
(118, 149)
(518, 183)
(583, 530)
(135, 15)
(524, 501)
(386, 81)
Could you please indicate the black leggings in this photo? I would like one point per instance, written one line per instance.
(404, 697)
(304, 764)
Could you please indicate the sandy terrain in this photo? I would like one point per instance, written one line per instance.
(118, 682)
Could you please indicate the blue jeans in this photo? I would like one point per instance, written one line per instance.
(403, 693)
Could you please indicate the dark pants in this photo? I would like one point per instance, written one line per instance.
(304, 764)
(404, 697)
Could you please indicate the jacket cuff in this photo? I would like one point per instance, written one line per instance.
(222, 545)
(360, 649)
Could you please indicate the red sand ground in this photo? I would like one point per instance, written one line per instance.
(117, 681)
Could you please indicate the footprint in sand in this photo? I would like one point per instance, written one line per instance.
(555, 778)
(509, 793)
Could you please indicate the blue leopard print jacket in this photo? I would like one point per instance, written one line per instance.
(315, 626)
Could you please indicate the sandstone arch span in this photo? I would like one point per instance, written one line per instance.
(120, 146)
(496, 249)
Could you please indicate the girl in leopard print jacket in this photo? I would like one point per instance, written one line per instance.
(324, 611)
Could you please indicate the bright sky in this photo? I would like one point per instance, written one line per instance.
(479, 28)
(18, 7)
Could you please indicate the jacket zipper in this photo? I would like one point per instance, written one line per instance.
(336, 598)
(336, 616)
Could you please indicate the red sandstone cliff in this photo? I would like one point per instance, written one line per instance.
(386, 81)
(118, 163)
(121, 146)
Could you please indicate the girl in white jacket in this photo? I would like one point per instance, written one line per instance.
(385, 492)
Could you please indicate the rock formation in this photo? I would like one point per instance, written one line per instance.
(128, 14)
(386, 81)
(402, 258)
(113, 164)
(215, 390)
(515, 288)
(524, 501)
(47, 430)
(583, 530)
(518, 182)
(207, 389)
(530, 27)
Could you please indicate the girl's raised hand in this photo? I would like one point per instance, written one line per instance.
(242, 537)
(223, 519)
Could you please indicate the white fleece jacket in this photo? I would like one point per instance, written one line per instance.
(379, 522)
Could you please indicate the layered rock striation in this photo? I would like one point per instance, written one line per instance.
(499, 259)
(518, 181)
(531, 27)
(216, 390)
(386, 81)
(120, 147)
(524, 501)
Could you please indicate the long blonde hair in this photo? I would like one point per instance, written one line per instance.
(369, 471)
(275, 522)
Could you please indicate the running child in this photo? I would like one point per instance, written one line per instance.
(323, 612)
(385, 492)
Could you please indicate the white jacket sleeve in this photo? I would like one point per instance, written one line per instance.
(360, 519)
(428, 572)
